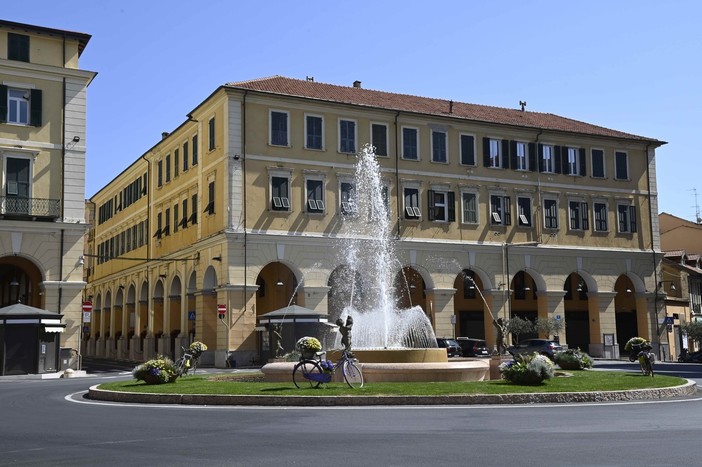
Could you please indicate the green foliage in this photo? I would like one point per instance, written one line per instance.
(693, 331)
(549, 326)
(518, 326)
(573, 359)
(157, 371)
(527, 369)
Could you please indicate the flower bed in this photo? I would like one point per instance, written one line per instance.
(157, 371)
(527, 369)
(573, 359)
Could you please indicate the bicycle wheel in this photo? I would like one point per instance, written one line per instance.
(352, 374)
(649, 367)
(179, 366)
(307, 373)
(193, 364)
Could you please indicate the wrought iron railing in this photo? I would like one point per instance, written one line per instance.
(29, 207)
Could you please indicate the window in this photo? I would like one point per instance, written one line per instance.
(314, 132)
(627, 218)
(598, 168)
(210, 208)
(212, 134)
(168, 168)
(17, 47)
(621, 166)
(20, 106)
(442, 206)
(500, 213)
(410, 144)
(469, 206)
(17, 186)
(550, 214)
(521, 154)
(167, 227)
(315, 196)
(193, 204)
(578, 215)
(438, 146)
(159, 223)
(524, 211)
(379, 138)
(184, 220)
(600, 210)
(547, 162)
(347, 136)
(280, 193)
(185, 156)
(195, 148)
(348, 198)
(467, 150)
(411, 196)
(279, 128)
(574, 161)
(159, 173)
(493, 153)
(176, 162)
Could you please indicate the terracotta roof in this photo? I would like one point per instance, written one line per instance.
(673, 253)
(425, 105)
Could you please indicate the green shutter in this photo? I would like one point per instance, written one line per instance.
(3, 103)
(430, 205)
(35, 110)
(451, 201)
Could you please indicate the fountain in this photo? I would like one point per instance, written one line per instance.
(391, 344)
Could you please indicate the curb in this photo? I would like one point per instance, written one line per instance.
(688, 389)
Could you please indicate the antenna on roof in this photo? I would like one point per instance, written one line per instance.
(522, 104)
(698, 219)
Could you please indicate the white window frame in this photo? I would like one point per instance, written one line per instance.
(440, 205)
(495, 153)
(522, 154)
(573, 161)
(592, 163)
(416, 140)
(616, 173)
(446, 149)
(355, 135)
(387, 136)
(548, 163)
(319, 204)
(628, 221)
(475, 210)
(557, 220)
(17, 101)
(321, 118)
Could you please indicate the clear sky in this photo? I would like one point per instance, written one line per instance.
(634, 66)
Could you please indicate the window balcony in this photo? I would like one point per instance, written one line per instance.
(13, 207)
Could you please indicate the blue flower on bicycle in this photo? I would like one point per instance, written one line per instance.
(327, 366)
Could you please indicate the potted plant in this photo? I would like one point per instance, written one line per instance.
(156, 371)
(527, 369)
(308, 346)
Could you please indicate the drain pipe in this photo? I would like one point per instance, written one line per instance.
(653, 253)
(539, 208)
(397, 177)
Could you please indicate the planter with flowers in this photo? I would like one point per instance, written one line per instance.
(156, 371)
(196, 349)
(308, 346)
(527, 369)
(573, 359)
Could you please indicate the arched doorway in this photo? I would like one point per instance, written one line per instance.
(625, 312)
(410, 289)
(575, 303)
(523, 301)
(345, 289)
(469, 306)
(19, 282)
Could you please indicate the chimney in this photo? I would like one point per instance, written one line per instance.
(310, 78)
(357, 84)
(164, 135)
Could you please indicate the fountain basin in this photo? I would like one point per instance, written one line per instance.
(430, 355)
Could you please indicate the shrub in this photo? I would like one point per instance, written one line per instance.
(572, 359)
(157, 371)
(527, 369)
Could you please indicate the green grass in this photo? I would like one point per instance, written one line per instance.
(580, 381)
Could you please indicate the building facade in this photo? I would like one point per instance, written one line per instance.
(496, 213)
(42, 158)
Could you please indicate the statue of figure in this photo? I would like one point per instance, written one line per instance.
(500, 338)
(345, 330)
(279, 351)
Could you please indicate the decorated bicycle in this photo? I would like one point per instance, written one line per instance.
(640, 349)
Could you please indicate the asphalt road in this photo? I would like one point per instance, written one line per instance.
(42, 424)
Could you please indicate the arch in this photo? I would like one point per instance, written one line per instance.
(280, 287)
(576, 308)
(209, 280)
(473, 314)
(20, 279)
(410, 288)
(192, 283)
(345, 288)
(175, 289)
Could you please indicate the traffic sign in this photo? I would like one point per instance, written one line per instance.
(221, 309)
(87, 306)
(86, 316)
(191, 316)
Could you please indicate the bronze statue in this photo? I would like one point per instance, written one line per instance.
(500, 338)
(345, 330)
(279, 351)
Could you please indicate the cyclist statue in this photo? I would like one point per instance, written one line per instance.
(345, 330)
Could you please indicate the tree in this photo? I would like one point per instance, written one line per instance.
(693, 331)
(549, 326)
(517, 326)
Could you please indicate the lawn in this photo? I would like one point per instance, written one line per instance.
(251, 384)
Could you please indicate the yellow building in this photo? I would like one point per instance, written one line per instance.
(42, 221)
(243, 205)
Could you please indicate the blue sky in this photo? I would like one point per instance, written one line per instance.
(633, 66)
